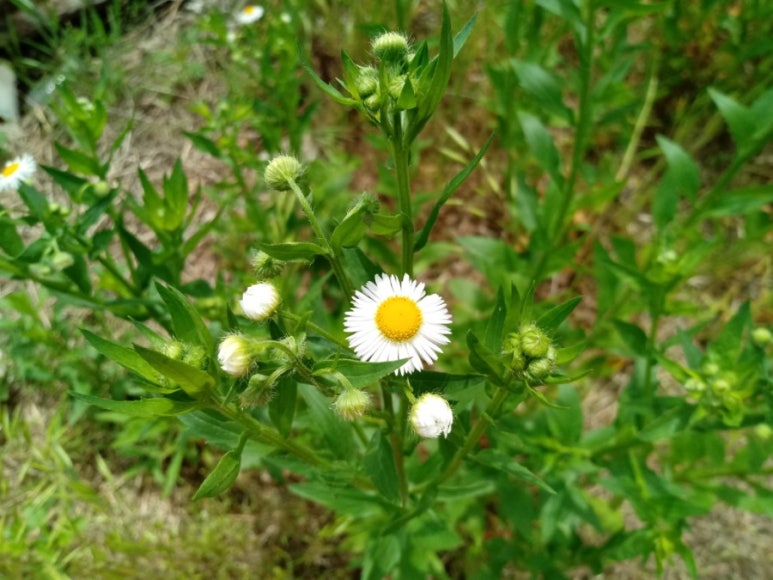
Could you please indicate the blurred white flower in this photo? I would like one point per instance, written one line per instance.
(392, 320)
(235, 355)
(431, 416)
(260, 301)
(249, 14)
(16, 171)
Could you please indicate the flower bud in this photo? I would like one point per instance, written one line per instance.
(281, 171)
(259, 391)
(61, 261)
(761, 336)
(195, 356)
(266, 266)
(351, 404)
(294, 345)
(373, 102)
(538, 370)
(694, 386)
(534, 342)
(101, 189)
(431, 416)
(260, 301)
(235, 355)
(173, 349)
(710, 368)
(367, 82)
(391, 47)
(514, 357)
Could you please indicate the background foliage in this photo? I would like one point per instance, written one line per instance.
(630, 166)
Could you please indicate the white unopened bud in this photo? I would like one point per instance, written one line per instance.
(260, 301)
(431, 416)
(235, 355)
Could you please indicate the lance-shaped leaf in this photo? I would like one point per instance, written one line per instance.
(501, 462)
(191, 380)
(483, 360)
(552, 319)
(359, 373)
(186, 321)
(290, 251)
(225, 473)
(155, 407)
(448, 190)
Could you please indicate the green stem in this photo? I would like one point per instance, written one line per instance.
(333, 256)
(396, 441)
(267, 435)
(641, 123)
(402, 153)
(584, 119)
(315, 328)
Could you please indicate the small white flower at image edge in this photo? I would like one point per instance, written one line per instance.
(260, 301)
(431, 416)
(16, 171)
(392, 319)
(249, 14)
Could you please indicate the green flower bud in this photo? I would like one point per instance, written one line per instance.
(351, 404)
(391, 47)
(101, 189)
(761, 336)
(267, 267)
(281, 171)
(514, 357)
(297, 347)
(173, 349)
(710, 368)
(732, 403)
(396, 86)
(57, 209)
(694, 386)
(259, 391)
(195, 356)
(534, 342)
(373, 102)
(61, 261)
(367, 82)
(538, 370)
(721, 386)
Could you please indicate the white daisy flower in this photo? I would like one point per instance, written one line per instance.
(249, 14)
(260, 301)
(431, 416)
(235, 355)
(16, 171)
(392, 320)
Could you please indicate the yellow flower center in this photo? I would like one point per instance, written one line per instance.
(248, 10)
(10, 169)
(398, 318)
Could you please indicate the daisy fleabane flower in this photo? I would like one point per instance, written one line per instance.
(431, 416)
(392, 319)
(260, 301)
(16, 171)
(249, 14)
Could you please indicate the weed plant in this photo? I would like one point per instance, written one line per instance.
(431, 387)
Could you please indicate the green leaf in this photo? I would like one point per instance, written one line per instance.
(155, 407)
(501, 462)
(553, 318)
(740, 201)
(281, 409)
(176, 196)
(72, 184)
(204, 144)
(338, 434)
(78, 272)
(186, 321)
(344, 499)
(543, 86)
(633, 337)
(407, 99)
(484, 360)
(10, 240)
(191, 380)
(379, 465)
(349, 232)
(461, 37)
(740, 120)
(330, 91)
(681, 179)
(290, 251)
(126, 357)
(448, 190)
(541, 144)
(78, 162)
(34, 200)
(385, 225)
(222, 477)
(359, 373)
(220, 432)
(495, 327)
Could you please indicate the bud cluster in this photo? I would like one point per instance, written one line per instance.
(530, 354)
(718, 391)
